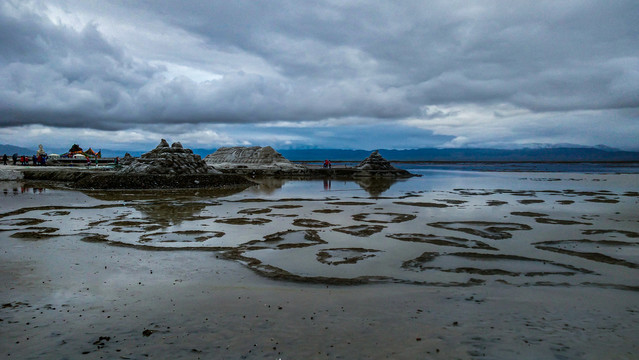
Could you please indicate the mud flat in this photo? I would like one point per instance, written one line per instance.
(299, 269)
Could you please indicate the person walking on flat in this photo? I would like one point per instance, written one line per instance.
(4, 159)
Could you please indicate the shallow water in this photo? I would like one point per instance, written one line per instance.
(363, 235)
(451, 231)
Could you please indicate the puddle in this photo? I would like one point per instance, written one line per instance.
(488, 264)
(286, 240)
(361, 230)
(443, 241)
(186, 236)
(344, 255)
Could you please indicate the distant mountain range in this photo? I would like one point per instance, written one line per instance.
(12, 149)
(537, 154)
(541, 152)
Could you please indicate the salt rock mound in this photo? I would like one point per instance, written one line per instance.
(252, 158)
(375, 161)
(167, 160)
(127, 159)
(376, 165)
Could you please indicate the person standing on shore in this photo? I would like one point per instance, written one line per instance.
(5, 159)
(15, 158)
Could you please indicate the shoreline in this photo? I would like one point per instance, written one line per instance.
(106, 177)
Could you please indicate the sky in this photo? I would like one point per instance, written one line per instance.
(319, 74)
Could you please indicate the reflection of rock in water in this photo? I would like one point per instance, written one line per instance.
(174, 207)
(164, 194)
(170, 213)
(375, 186)
(267, 185)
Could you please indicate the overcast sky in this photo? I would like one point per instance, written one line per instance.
(339, 74)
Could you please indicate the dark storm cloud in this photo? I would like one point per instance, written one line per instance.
(55, 75)
(323, 60)
(539, 55)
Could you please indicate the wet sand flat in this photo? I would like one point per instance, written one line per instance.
(498, 265)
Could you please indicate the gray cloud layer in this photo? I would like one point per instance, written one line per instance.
(301, 61)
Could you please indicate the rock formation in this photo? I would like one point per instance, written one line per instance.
(250, 159)
(165, 167)
(375, 165)
(375, 161)
(167, 160)
(127, 159)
